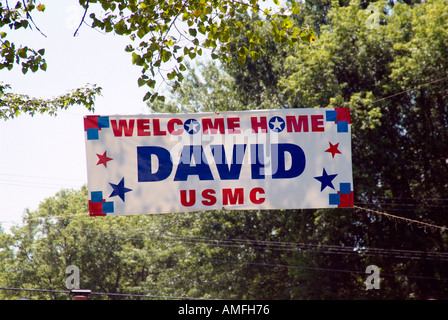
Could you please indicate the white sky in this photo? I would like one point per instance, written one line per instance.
(40, 155)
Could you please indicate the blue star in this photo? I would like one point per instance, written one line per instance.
(325, 180)
(277, 124)
(119, 189)
(192, 126)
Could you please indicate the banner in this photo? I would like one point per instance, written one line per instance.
(269, 159)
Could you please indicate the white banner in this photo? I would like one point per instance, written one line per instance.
(269, 159)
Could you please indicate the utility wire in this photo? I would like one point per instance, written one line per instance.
(420, 224)
(142, 235)
(280, 245)
(409, 90)
(36, 185)
(40, 177)
(36, 290)
(261, 243)
(264, 244)
(105, 294)
(327, 269)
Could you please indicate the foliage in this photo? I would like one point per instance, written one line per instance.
(196, 255)
(174, 31)
(205, 89)
(17, 18)
(391, 76)
(164, 35)
(12, 104)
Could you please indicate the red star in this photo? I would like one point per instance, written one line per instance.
(103, 159)
(333, 149)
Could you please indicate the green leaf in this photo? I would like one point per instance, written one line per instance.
(295, 10)
(288, 23)
(308, 36)
(254, 55)
(151, 83)
(202, 29)
(243, 51)
(135, 58)
(241, 59)
(153, 97)
(147, 96)
(193, 32)
(22, 52)
(185, 16)
(172, 75)
(165, 55)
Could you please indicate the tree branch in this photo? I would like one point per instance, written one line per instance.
(28, 15)
(82, 21)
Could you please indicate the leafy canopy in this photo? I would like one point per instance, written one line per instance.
(11, 54)
(393, 78)
(399, 147)
(166, 33)
(163, 34)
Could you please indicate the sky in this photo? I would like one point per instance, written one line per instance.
(42, 154)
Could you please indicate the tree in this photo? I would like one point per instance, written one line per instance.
(198, 255)
(162, 33)
(398, 164)
(13, 104)
(174, 31)
(58, 234)
(392, 79)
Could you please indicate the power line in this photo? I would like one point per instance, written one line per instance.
(39, 181)
(327, 269)
(148, 296)
(396, 204)
(273, 245)
(408, 90)
(292, 246)
(413, 198)
(254, 242)
(37, 185)
(261, 244)
(141, 235)
(40, 177)
(106, 294)
(409, 221)
(420, 224)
